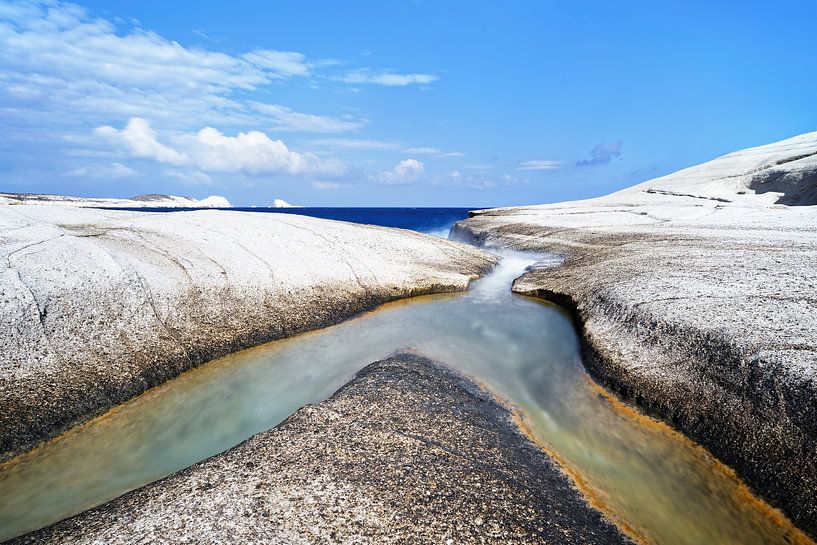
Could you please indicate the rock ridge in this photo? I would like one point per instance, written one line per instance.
(99, 306)
(407, 452)
(700, 310)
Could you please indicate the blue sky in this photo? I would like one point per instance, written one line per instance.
(414, 103)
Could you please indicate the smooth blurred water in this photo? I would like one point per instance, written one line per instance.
(650, 479)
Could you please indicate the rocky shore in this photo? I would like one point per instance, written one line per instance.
(695, 297)
(407, 452)
(98, 305)
(151, 200)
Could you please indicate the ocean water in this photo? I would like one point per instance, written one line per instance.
(432, 221)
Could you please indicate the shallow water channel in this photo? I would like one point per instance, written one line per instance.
(650, 479)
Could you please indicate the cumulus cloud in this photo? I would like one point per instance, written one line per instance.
(112, 170)
(602, 154)
(404, 172)
(65, 70)
(209, 150)
(388, 79)
(254, 153)
(139, 139)
(542, 164)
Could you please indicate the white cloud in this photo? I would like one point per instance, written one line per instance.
(61, 56)
(208, 150)
(411, 170)
(432, 151)
(254, 153)
(289, 120)
(200, 33)
(389, 79)
(540, 165)
(456, 178)
(326, 186)
(139, 140)
(354, 144)
(62, 67)
(193, 177)
(112, 170)
(65, 70)
(423, 151)
(284, 63)
(404, 172)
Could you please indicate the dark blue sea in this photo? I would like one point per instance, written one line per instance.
(433, 221)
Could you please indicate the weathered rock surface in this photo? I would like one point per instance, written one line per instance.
(140, 201)
(408, 452)
(98, 306)
(696, 296)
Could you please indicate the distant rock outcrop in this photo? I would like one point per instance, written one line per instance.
(281, 203)
(215, 201)
(151, 200)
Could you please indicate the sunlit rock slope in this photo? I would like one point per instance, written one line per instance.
(99, 305)
(697, 296)
(140, 201)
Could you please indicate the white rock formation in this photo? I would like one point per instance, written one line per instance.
(141, 201)
(696, 292)
(281, 203)
(781, 172)
(746, 187)
(98, 305)
(214, 201)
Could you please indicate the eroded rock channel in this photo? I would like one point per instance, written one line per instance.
(651, 482)
(396, 475)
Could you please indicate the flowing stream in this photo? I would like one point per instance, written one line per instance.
(649, 479)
